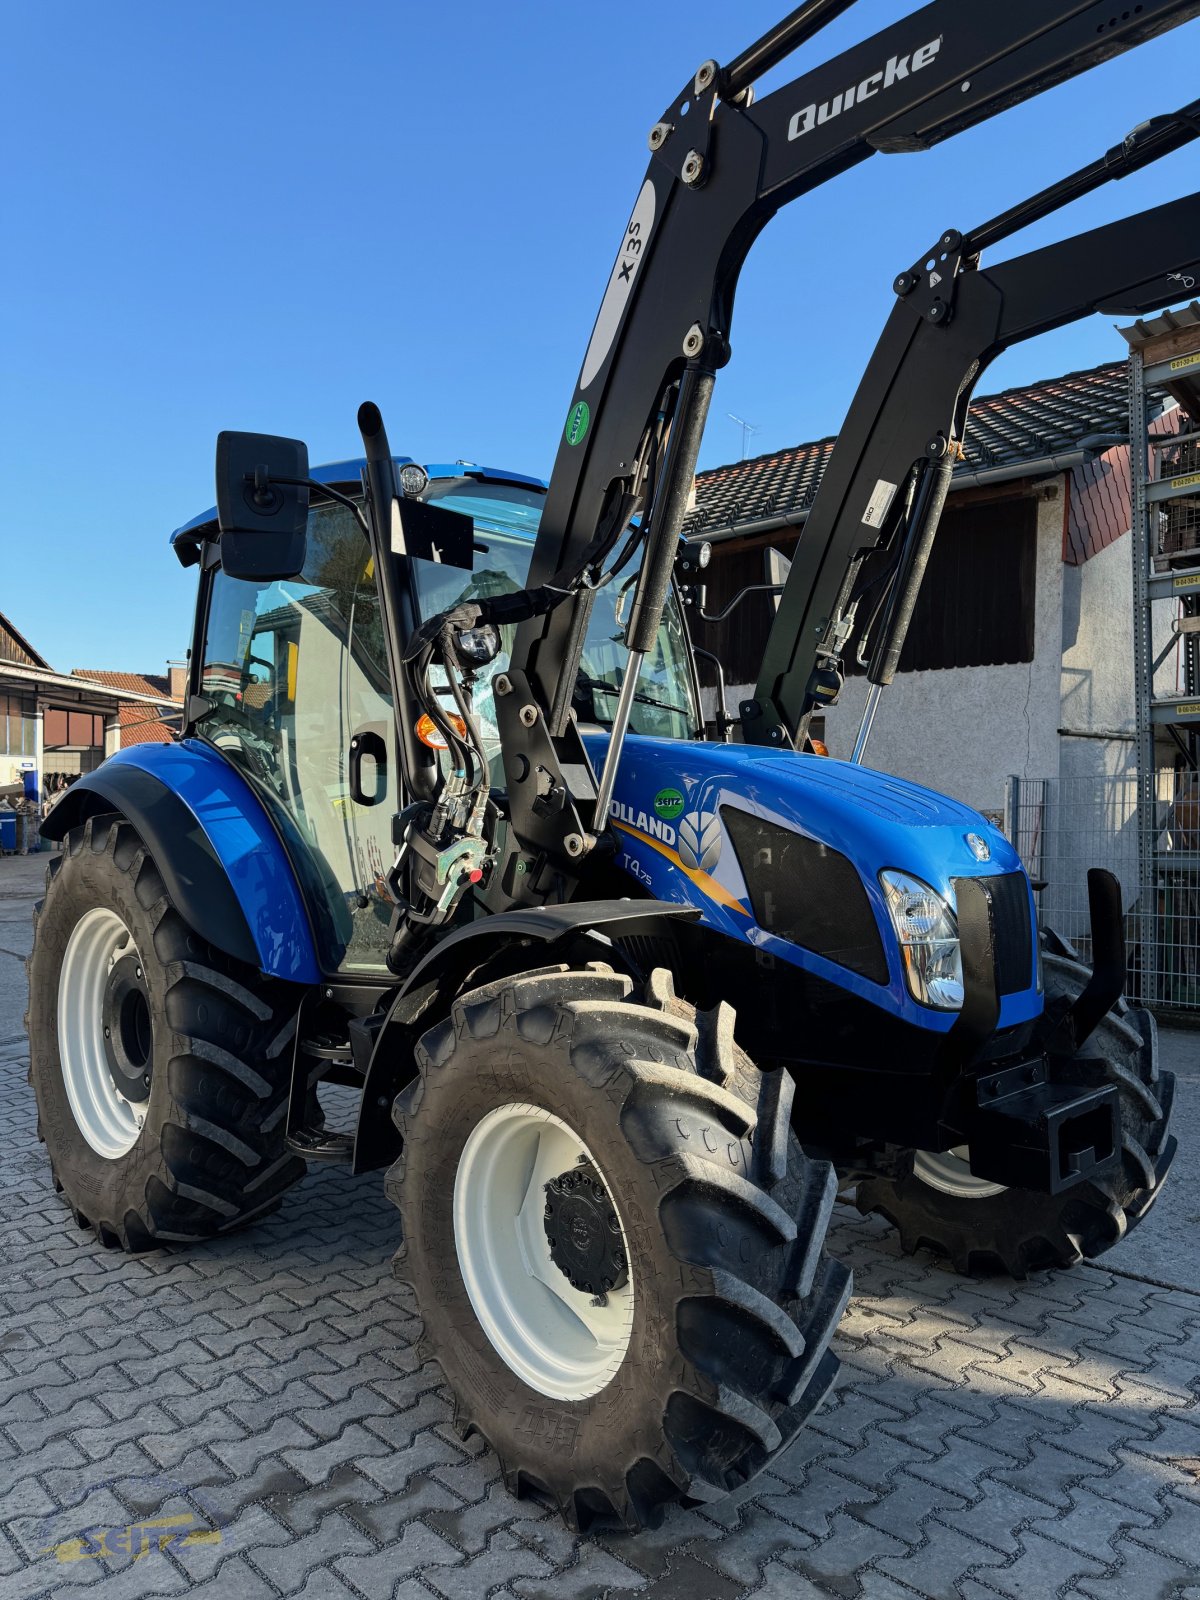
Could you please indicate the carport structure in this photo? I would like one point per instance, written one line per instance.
(57, 721)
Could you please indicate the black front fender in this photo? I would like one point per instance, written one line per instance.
(196, 880)
(427, 993)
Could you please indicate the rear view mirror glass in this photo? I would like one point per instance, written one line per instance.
(776, 567)
(261, 507)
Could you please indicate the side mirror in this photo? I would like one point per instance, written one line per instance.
(262, 505)
(776, 567)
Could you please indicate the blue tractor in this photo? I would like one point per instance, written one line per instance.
(624, 1007)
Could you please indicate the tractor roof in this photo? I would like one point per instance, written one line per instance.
(351, 472)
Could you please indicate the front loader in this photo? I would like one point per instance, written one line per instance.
(442, 826)
(850, 594)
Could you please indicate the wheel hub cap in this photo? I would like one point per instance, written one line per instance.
(950, 1172)
(583, 1232)
(104, 1032)
(125, 1010)
(564, 1341)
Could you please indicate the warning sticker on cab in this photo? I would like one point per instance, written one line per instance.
(879, 504)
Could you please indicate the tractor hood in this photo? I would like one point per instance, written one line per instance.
(672, 811)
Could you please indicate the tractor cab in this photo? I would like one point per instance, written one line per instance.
(291, 683)
(624, 1015)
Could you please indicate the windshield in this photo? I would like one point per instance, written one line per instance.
(295, 677)
(665, 707)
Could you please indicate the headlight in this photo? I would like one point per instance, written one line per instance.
(928, 933)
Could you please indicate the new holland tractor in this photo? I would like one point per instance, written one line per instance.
(622, 1006)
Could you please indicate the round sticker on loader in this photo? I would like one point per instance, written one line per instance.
(577, 422)
(668, 803)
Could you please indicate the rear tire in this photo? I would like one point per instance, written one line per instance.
(198, 1149)
(981, 1227)
(717, 1348)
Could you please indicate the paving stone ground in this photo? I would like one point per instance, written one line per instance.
(250, 1417)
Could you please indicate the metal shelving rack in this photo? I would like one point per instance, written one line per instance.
(1164, 354)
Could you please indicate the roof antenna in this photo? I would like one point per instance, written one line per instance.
(748, 428)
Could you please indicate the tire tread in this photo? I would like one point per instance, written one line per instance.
(221, 1160)
(1023, 1232)
(676, 1076)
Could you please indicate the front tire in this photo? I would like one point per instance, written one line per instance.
(936, 1203)
(161, 1068)
(682, 1188)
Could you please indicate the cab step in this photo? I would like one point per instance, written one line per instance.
(322, 1144)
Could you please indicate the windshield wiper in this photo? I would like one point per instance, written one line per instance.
(638, 694)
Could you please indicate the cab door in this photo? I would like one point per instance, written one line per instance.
(295, 676)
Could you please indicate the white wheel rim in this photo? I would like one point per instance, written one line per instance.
(553, 1336)
(950, 1171)
(108, 1121)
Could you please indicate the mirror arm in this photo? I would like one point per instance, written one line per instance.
(722, 721)
(751, 588)
(314, 487)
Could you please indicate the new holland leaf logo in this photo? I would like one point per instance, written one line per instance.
(699, 841)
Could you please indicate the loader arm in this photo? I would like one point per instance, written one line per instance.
(866, 541)
(721, 166)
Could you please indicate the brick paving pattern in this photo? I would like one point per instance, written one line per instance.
(254, 1417)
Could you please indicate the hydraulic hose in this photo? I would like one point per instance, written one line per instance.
(927, 513)
(662, 539)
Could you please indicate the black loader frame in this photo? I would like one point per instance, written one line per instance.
(866, 543)
(721, 166)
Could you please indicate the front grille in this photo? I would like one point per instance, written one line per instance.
(806, 893)
(1013, 927)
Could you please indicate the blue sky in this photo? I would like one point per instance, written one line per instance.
(256, 215)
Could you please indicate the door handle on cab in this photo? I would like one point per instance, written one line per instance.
(369, 743)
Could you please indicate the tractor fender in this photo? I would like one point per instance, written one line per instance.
(391, 1064)
(220, 857)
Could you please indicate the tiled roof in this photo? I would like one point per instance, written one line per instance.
(151, 683)
(1024, 424)
(140, 724)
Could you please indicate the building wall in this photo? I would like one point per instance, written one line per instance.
(1097, 665)
(18, 735)
(962, 731)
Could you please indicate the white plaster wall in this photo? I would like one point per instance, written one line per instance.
(1097, 675)
(1097, 644)
(962, 731)
(1091, 821)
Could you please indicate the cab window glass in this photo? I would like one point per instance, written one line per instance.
(293, 670)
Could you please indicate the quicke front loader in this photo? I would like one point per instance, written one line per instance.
(622, 1006)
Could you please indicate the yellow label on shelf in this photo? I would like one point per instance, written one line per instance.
(1180, 363)
(1188, 709)
(1188, 481)
(1190, 582)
